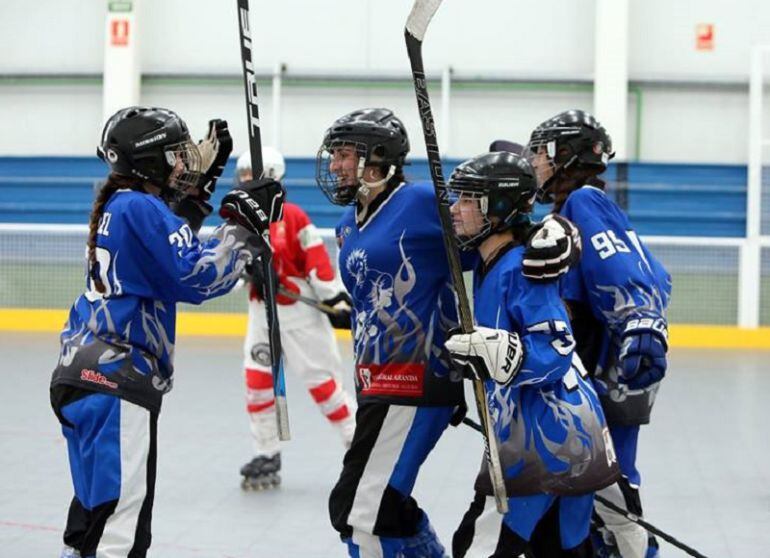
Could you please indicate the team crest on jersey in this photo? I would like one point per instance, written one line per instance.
(357, 267)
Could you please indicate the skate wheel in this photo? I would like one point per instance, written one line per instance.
(259, 484)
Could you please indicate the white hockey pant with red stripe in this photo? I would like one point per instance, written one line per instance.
(310, 351)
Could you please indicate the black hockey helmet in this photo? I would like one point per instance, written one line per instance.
(503, 185)
(505, 145)
(151, 143)
(379, 138)
(572, 138)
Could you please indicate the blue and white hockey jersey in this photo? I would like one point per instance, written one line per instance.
(122, 341)
(619, 279)
(395, 268)
(549, 423)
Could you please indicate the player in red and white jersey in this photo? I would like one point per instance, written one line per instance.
(310, 349)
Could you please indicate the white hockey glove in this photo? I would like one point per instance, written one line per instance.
(552, 249)
(214, 149)
(487, 354)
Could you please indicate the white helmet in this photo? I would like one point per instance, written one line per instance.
(272, 162)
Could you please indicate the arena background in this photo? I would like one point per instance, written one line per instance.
(681, 85)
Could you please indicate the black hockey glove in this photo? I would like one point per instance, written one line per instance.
(552, 248)
(642, 358)
(342, 305)
(192, 210)
(255, 276)
(214, 151)
(254, 204)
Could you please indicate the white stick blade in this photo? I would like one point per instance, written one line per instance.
(420, 16)
(282, 417)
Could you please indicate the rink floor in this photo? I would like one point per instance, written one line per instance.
(704, 460)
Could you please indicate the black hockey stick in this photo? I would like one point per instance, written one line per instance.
(625, 513)
(414, 32)
(313, 303)
(266, 259)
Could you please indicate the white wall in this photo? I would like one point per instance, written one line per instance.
(490, 38)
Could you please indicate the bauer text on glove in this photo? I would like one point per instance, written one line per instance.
(643, 347)
(254, 204)
(487, 353)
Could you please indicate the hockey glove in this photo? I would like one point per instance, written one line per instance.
(254, 204)
(642, 358)
(486, 354)
(553, 247)
(341, 303)
(192, 210)
(214, 151)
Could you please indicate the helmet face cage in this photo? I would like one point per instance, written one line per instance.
(491, 193)
(184, 166)
(542, 152)
(556, 145)
(468, 205)
(331, 184)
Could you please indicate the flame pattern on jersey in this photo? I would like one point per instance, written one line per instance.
(549, 422)
(618, 278)
(161, 263)
(388, 323)
(394, 269)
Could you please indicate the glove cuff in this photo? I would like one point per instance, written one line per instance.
(655, 325)
(193, 211)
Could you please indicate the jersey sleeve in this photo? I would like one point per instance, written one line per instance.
(318, 266)
(177, 266)
(544, 328)
(621, 279)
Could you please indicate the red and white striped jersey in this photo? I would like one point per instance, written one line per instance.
(299, 253)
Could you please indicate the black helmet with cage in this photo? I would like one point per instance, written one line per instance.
(572, 139)
(379, 139)
(154, 145)
(503, 186)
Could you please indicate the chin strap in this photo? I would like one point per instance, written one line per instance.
(364, 186)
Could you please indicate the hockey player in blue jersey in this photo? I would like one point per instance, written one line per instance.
(393, 264)
(617, 296)
(554, 443)
(117, 347)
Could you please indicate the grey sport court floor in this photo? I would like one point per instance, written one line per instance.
(705, 460)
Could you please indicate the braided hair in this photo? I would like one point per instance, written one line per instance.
(114, 183)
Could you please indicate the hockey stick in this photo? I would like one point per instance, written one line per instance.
(414, 32)
(313, 303)
(625, 513)
(651, 528)
(266, 259)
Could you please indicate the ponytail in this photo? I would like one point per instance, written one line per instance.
(114, 183)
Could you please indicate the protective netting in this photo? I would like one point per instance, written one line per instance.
(43, 267)
(704, 277)
(765, 203)
(762, 117)
(764, 293)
